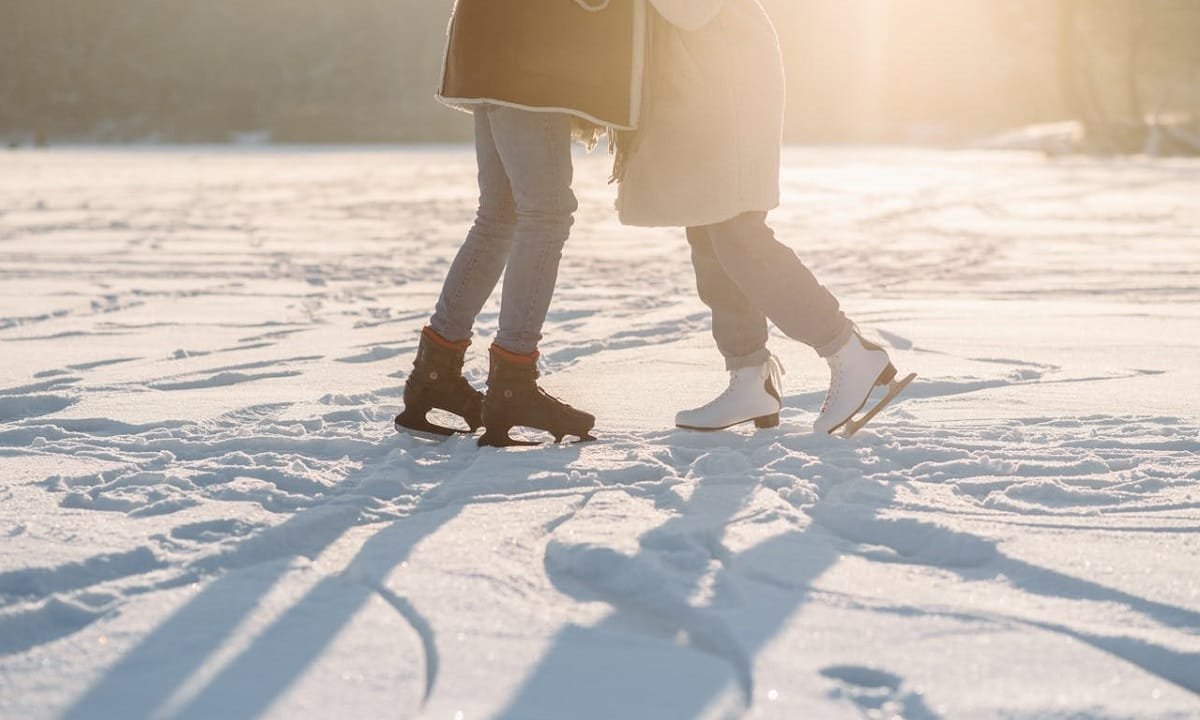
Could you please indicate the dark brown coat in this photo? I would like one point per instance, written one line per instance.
(582, 57)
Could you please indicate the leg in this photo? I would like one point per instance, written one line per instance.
(480, 261)
(739, 328)
(778, 283)
(535, 149)
(436, 381)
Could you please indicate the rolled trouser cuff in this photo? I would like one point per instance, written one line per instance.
(844, 333)
(448, 334)
(754, 359)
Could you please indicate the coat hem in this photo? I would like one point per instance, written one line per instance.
(469, 104)
(695, 220)
(636, 80)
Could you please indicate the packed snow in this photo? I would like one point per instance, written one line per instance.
(206, 511)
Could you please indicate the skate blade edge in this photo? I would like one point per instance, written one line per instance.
(501, 439)
(895, 387)
(413, 425)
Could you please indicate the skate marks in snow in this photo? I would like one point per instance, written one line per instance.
(237, 374)
(1026, 229)
(375, 353)
(649, 326)
(254, 454)
(947, 375)
(21, 407)
(930, 389)
(54, 392)
(104, 305)
(1091, 465)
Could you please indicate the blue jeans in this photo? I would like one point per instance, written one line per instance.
(526, 209)
(746, 276)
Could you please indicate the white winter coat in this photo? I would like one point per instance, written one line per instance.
(708, 146)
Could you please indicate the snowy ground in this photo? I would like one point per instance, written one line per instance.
(205, 512)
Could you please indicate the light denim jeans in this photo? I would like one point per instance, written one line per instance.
(526, 209)
(746, 276)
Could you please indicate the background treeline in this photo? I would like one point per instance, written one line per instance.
(364, 70)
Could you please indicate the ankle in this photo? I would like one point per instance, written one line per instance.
(509, 356)
(438, 339)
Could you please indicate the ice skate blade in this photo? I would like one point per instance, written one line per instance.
(853, 425)
(414, 424)
(579, 438)
(501, 439)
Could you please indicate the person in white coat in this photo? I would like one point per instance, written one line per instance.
(706, 157)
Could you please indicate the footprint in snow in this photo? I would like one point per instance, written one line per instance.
(375, 354)
(23, 407)
(877, 693)
(224, 379)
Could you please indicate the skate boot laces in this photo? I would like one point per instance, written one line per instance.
(835, 382)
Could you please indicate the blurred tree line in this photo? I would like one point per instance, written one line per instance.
(365, 70)
(1129, 72)
(205, 70)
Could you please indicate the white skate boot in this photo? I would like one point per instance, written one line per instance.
(753, 394)
(855, 370)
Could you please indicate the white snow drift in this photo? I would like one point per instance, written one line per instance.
(205, 512)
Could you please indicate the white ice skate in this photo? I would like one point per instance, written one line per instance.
(855, 370)
(753, 395)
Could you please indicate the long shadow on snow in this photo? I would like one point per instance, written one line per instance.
(642, 597)
(976, 559)
(278, 656)
(146, 678)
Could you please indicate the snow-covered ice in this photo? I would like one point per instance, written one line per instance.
(205, 511)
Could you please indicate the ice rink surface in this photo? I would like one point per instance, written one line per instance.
(205, 511)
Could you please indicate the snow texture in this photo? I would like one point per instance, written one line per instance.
(206, 513)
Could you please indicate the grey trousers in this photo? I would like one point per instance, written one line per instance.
(526, 210)
(746, 276)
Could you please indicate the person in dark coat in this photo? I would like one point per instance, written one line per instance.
(535, 74)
